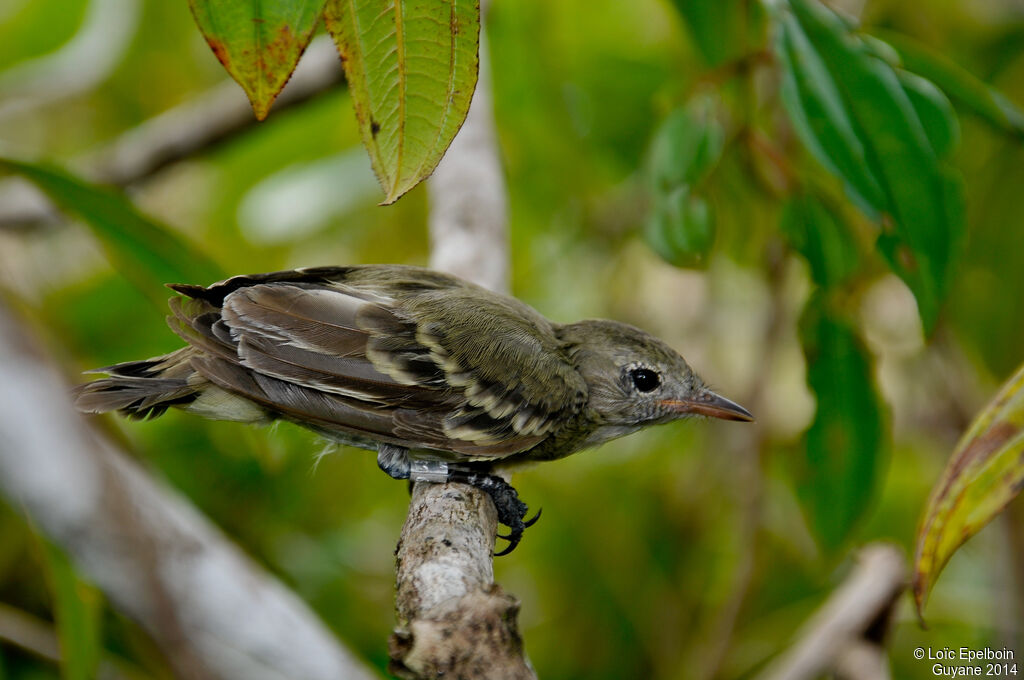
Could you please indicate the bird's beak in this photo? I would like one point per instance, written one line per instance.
(707, 403)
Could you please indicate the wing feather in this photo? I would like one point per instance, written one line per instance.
(300, 404)
(347, 375)
(319, 319)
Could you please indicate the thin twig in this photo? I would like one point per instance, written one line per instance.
(846, 634)
(21, 629)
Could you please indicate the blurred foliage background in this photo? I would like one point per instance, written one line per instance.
(690, 551)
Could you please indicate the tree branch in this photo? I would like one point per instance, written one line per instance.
(212, 118)
(453, 619)
(846, 635)
(213, 611)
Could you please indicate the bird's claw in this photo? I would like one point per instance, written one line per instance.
(527, 523)
(511, 510)
(511, 546)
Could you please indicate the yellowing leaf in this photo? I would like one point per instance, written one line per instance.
(259, 42)
(983, 475)
(411, 67)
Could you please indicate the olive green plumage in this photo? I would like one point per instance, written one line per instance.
(393, 355)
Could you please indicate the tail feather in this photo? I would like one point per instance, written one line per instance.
(140, 389)
(132, 369)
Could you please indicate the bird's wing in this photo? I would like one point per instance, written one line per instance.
(499, 355)
(348, 352)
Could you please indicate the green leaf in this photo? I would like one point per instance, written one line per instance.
(684, 149)
(985, 472)
(77, 608)
(821, 118)
(934, 111)
(687, 145)
(822, 238)
(259, 42)
(146, 252)
(882, 50)
(681, 228)
(900, 255)
(721, 29)
(962, 86)
(843, 447)
(850, 107)
(411, 68)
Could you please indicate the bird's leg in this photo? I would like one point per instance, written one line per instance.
(395, 461)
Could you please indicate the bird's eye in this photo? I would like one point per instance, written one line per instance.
(644, 379)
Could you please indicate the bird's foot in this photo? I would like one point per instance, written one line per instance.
(395, 461)
(511, 510)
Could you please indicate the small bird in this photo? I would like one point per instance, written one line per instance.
(446, 380)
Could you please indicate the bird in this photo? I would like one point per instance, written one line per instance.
(445, 380)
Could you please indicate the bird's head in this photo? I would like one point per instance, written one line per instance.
(634, 379)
